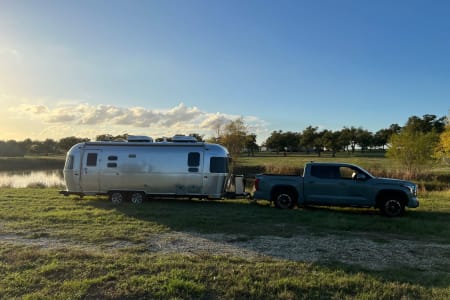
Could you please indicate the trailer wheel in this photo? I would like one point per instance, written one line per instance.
(137, 197)
(116, 197)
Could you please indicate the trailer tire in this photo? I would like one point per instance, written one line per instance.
(137, 197)
(116, 197)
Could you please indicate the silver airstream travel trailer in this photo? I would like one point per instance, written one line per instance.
(140, 167)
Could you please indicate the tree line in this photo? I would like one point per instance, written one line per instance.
(236, 136)
(348, 138)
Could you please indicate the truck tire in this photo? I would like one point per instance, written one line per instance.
(116, 197)
(392, 207)
(137, 197)
(283, 199)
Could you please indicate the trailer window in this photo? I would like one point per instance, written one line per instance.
(112, 165)
(194, 159)
(91, 160)
(69, 162)
(218, 165)
(112, 157)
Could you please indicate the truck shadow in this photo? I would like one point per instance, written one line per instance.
(261, 218)
(349, 240)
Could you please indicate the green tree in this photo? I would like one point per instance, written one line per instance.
(333, 141)
(427, 123)
(349, 135)
(365, 139)
(413, 149)
(308, 138)
(319, 142)
(442, 150)
(66, 143)
(12, 148)
(234, 136)
(274, 141)
(250, 144)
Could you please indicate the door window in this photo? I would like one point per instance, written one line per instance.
(193, 161)
(91, 160)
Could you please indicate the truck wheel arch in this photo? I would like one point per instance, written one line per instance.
(284, 196)
(391, 202)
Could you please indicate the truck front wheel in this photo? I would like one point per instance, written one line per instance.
(392, 207)
(283, 199)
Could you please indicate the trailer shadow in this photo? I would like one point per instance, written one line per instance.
(350, 240)
(256, 218)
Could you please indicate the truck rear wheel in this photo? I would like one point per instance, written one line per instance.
(116, 197)
(283, 199)
(137, 197)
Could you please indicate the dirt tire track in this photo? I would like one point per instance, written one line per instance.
(367, 251)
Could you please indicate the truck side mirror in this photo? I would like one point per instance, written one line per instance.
(361, 176)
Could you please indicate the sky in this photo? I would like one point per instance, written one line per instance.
(159, 68)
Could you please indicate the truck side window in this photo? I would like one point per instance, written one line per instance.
(325, 172)
(91, 160)
(346, 172)
(218, 165)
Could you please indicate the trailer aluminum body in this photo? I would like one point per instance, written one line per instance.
(138, 169)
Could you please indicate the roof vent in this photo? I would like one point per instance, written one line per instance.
(184, 139)
(139, 139)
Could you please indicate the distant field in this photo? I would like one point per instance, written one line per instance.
(65, 248)
(435, 178)
(374, 160)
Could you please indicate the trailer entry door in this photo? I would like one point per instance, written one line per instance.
(90, 171)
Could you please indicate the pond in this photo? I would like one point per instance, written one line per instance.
(32, 178)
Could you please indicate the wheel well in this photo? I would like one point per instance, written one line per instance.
(394, 194)
(283, 188)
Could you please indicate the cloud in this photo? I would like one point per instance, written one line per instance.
(9, 53)
(181, 119)
(181, 113)
(214, 121)
(35, 109)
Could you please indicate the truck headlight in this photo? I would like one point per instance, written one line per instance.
(412, 188)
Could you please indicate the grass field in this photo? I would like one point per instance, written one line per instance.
(68, 248)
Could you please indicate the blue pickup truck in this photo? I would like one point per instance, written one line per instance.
(337, 184)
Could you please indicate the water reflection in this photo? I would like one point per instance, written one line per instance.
(23, 179)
